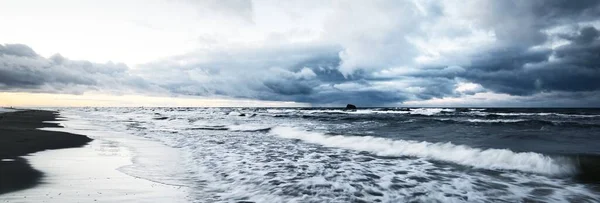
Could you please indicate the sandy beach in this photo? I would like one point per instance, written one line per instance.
(19, 136)
(72, 167)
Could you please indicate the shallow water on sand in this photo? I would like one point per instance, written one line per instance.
(103, 170)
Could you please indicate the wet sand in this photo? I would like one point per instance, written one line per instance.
(113, 167)
(19, 136)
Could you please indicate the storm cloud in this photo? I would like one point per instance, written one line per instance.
(572, 67)
(22, 69)
(375, 53)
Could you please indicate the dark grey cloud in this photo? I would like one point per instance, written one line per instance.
(572, 67)
(277, 73)
(521, 62)
(521, 23)
(301, 73)
(22, 69)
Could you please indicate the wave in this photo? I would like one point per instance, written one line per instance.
(525, 122)
(209, 128)
(478, 113)
(416, 111)
(430, 111)
(235, 128)
(277, 111)
(413, 111)
(577, 115)
(495, 120)
(249, 128)
(433, 111)
(459, 154)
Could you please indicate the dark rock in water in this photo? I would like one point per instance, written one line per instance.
(350, 107)
(161, 118)
(242, 114)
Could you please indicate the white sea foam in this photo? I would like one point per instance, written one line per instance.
(368, 111)
(235, 128)
(495, 120)
(460, 154)
(429, 111)
(391, 112)
(234, 113)
(248, 127)
(539, 114)
(281, 110)
(524, 114)
(323, 111)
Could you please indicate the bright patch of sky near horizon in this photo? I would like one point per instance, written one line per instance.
(23, 99)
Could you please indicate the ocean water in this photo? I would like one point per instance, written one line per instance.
(367, 155)
(6, 110)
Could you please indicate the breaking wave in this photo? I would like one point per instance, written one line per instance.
(249, 128)
(459, 154)
(425, 112)
(235, 128)
(495, 120)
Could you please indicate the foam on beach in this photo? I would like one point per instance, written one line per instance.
(99, 172)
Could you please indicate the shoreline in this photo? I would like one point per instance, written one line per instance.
(113, 167)
(19, 136)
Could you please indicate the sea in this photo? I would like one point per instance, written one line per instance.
(368, 154)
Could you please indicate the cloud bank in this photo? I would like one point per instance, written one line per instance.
(22, 69)
(376, 53)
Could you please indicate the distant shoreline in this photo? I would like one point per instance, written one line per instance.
(19, 136)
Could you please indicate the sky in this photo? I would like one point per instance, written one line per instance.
(501, 53)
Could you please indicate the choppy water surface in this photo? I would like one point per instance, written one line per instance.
(373, 155)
